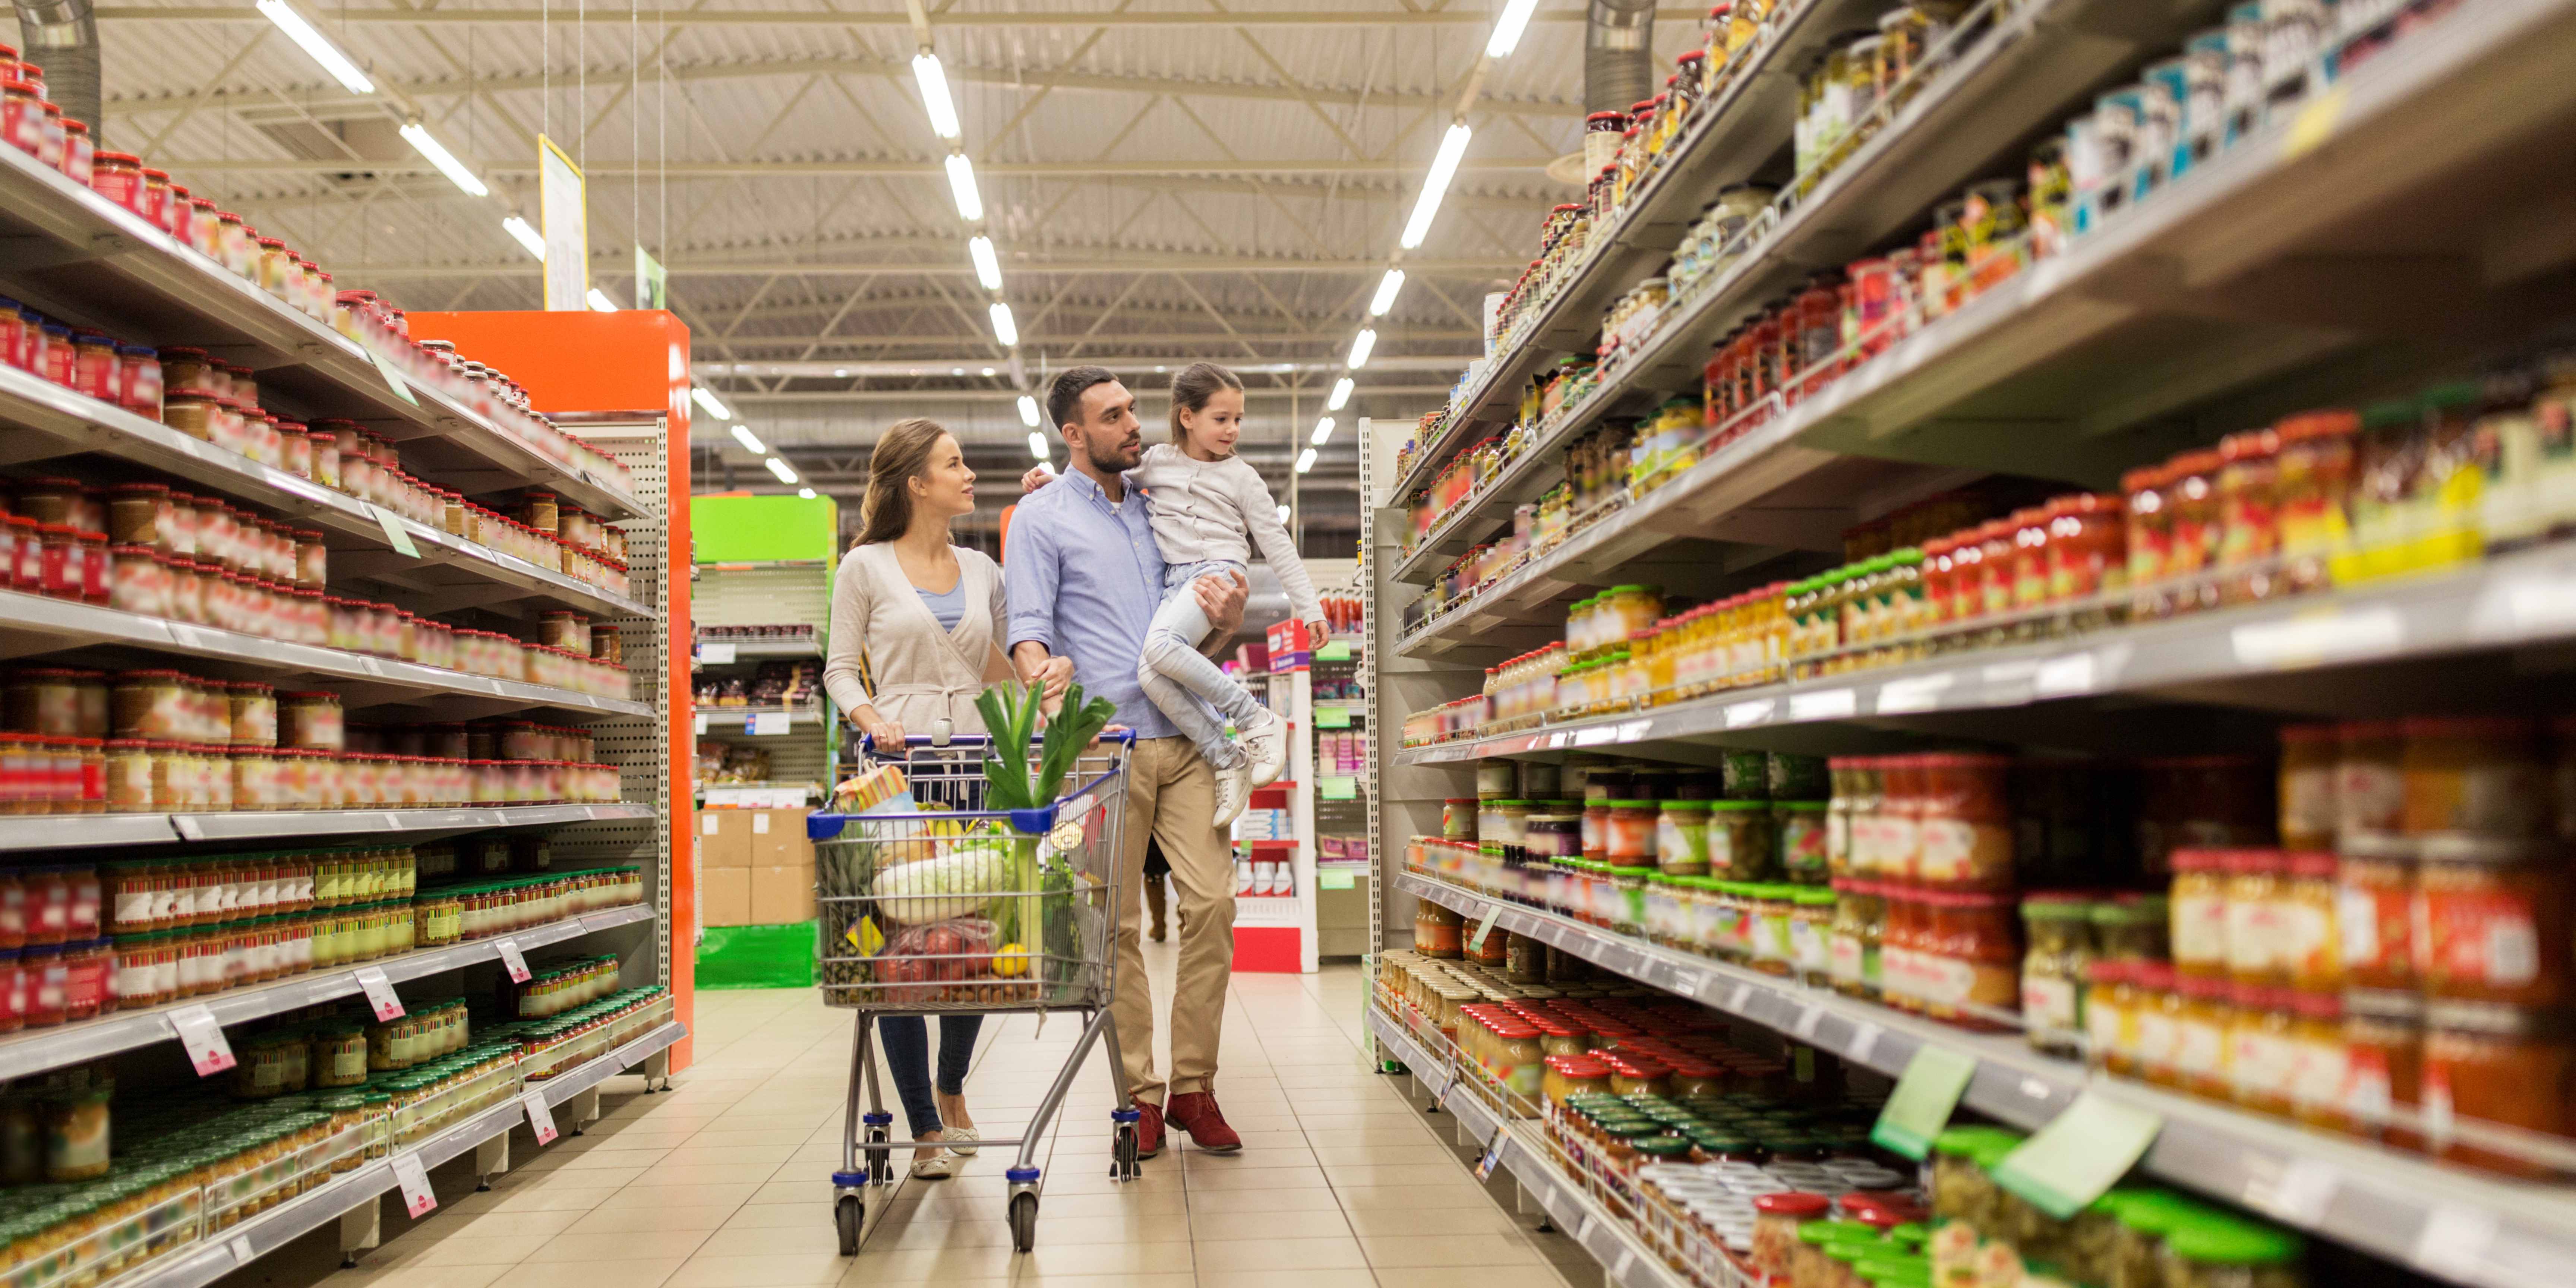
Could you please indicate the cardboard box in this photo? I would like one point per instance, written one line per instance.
(781, 895)
(725, 893)
(724, 840)
(777, 839)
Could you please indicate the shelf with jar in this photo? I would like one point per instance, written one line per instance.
(1916, 399)
(2455, 1224)
(138, 262)
(445, 561)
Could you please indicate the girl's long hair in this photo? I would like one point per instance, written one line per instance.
(1191, 390)
(902, 454)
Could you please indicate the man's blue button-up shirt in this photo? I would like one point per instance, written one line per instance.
(1071, 590)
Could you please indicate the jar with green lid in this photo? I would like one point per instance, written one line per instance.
(1961, 1190)
(2133, 927)
(2055, 972)
(1891, 1275)
(1798, 831)
(1628, 899)
(1811, 935)
(1740, 840)
(1811, 1261)
(1681, 838)
(2093, 1235)
(2212, 1251)
(1859, 924)
(2145, 1218)
(1773, 912)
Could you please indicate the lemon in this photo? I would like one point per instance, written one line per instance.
(1011, 961)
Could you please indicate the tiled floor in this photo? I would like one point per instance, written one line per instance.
(724, 1182)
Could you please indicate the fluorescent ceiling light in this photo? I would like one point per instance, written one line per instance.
(805, 492)
(1037, 445)
(707, 403)
(1508, 28)
(445, 160)
(988, 267)
(315, 43)
(1387, 286)
(742, 434)
(526, 235)
(1004, 329)
(1435, 185)
(780, 468)
(1028, 411)
(1323, 431)
(1361, 346)
(1283, 514)
(599, 300)
(1341, 395)
(1306, 460)
(961, 185)
(934, 94)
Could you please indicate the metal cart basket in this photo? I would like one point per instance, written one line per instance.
(932, 904)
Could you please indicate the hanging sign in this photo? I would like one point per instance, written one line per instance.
(566, 212)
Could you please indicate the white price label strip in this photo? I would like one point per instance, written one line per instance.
(1864, 1043)
(513, 961)
(203, 1039)
(2454, 1241)
(240, 1248)
(419, 1199)
(541, 1116)
(380, 993)
(1743, 994)
(1808, 1019)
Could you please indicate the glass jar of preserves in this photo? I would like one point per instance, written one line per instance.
(1630, 833)
(2256, 928)
(2319, 1066)
(1964, 836)
(2199, 912)
(1742, 842)
(2497, 1064)
(1437, 931)
(2208, 1250)
(2055, 972)
(1798, 828)
(2375, 877)
(2481, 775)
(2383, 1033)
(2492, 920)
(310, 720)
(1681, 838)
(1860, 917)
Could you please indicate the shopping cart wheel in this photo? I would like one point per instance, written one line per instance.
(1122, 1158)
(1024, 1221)
(848, 1216)
(877, 1138)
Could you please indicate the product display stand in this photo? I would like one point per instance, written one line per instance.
(2208, 288)
(1275, 930)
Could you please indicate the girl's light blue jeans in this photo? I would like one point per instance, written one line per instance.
(1180, 680)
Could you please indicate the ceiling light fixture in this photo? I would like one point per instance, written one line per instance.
(1004, 329)
(742, 434)
(1435, 185)
(315, 43)
(599, 300)
(934, 94)
(526, 235)
(988, 266)
(1028, 411)
(1037, 445)
(961, 185)
(1341, 395)
(1306, 460)
(1323, 431)
(1362, 345)
(1387, 286)
(1283, 514)
(445, 160)
(805, 492)
(1508, 28)
(780, 468)
(708, 403)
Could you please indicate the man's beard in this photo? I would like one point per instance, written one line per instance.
(1111, 459)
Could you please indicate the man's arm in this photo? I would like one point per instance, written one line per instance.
(1221, 598)
(1030, 576)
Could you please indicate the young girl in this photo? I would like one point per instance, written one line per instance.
(1208, 506)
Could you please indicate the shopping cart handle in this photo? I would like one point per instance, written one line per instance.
(1027, 822)
(1124, 737)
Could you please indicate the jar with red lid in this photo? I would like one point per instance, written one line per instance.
(155, 205)
(87, 991)
(2384, 1063)
(80, 152)
(2313, 482)
(2148, 534)
(2087, 547)
(1996, 566)
(94, 365)
(2482, 775)
(13, 992)
(59, 563)
(1969, 959)
(47, 981)
(2028, 579)
(1776, 1221)
(56, 360)
(22, 116)
(1964, 827)
(117, 176)
(2247, 495)
(54, 140)
(183, 215)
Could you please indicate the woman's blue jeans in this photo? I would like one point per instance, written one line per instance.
(907, 1052)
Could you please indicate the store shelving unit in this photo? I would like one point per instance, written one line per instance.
(36, 1050)
(2455, 1223)
(733, 589)
(2383, 230)
(350, 1199)
(79, 258)
(1625, 1262)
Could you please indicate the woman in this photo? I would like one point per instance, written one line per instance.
(925, 616)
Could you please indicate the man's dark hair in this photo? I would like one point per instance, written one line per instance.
(1064, 396)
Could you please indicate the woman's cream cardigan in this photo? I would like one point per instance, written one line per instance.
(922, 674)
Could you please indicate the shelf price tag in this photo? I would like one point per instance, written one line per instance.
(768, 724)
(1919, 1108)
(394, 377)
(380, 992)
(240, 1248)
(1477, 944)
(1343, 788)
(1332, 717)
(541, 1116)
(513, 961)
(203, 1039)
(419, 1199)
(395, 536)
(716, 652)
(2080, 1154)
(1493, 1154)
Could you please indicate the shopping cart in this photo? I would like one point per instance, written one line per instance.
(951, 908)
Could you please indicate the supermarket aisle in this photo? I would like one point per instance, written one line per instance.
(723, 1183)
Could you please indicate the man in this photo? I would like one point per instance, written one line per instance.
(1084, 578)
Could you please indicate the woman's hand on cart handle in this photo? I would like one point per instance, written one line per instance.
(881, 731)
